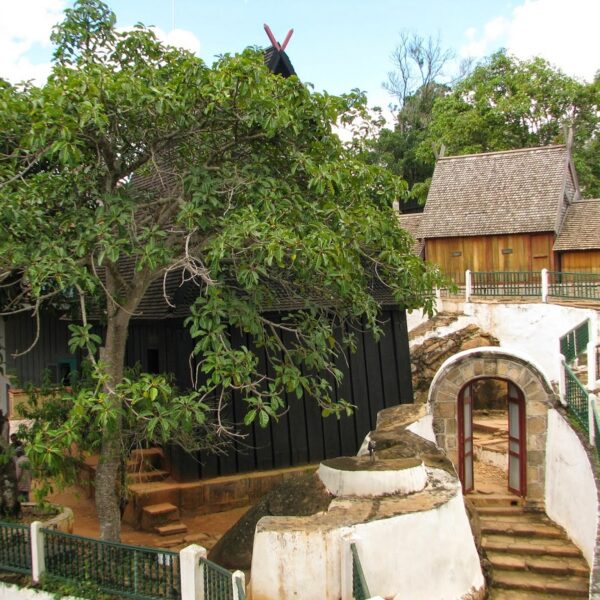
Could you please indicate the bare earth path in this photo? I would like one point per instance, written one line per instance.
(202, 529)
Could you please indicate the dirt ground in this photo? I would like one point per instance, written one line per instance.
(205, 529)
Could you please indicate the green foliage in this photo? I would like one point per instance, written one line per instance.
(137, 160)
(507, 103)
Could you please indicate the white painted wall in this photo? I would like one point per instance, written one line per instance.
(571, 493)
(448, 565)
(531, 329)
(421, 555)
(424, 428)
(372, 482)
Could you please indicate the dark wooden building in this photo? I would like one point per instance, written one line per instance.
(377, 376)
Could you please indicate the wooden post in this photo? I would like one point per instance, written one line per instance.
(562, 383)
(468, 285)
(545, 285)
(592, 419)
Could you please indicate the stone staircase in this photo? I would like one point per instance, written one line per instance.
(531, 558)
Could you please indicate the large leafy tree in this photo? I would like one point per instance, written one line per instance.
(136, 161)
(507, 103)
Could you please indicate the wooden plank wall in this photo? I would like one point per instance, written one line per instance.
(51, 347)
(580, 261)
(375, 377)
(528, 252)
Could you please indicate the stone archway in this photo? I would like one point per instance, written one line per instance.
(494, 362)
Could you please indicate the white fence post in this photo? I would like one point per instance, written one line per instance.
(545, 285)
(562, 383)
(191, 572)
(346, 566)
(235, 577)
(38, 558)
(468, 285)
(591, 419)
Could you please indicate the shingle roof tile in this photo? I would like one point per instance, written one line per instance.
(580, 229)
(412, 224)
(515, 191)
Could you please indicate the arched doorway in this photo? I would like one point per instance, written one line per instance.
(531, 396)
(515, 450)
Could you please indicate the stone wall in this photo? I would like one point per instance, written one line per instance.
(429, 356)
(495, 362)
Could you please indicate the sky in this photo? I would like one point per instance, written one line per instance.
(337, 45)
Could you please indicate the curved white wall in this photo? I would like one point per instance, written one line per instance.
(422, 555)
(571, 493)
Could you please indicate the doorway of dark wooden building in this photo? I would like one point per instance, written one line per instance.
(491, 435)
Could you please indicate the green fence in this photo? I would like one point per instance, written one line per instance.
(577, 398)
(360, 591)
(578, 286)
(119, 569)
(575, 342)
(506, 283)
(218, 582)
(15, 548)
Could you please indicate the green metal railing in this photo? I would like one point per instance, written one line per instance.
(360, 591)
(579, 286)
(596, 428)
(15, 548)
(575, 342)
(577, 398)
(218, 582)
(506, 283)
(120, 569)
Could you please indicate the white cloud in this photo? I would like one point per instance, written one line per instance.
(24, 26)
(563, 33)
(181, 38)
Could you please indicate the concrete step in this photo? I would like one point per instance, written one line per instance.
(154, 515)
(531, 547)
(171, 528)
(574, 586)
(500, 511)
(520, 529)
(508, 561)
(495, 500)
(521, 595)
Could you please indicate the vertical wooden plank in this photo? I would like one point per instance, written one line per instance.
(296, 419)
(346, 424)
(314, 429)
(402, 354)
(263, 437)
(244, 448)
(387, 357)
(373, 370)
(360, 390)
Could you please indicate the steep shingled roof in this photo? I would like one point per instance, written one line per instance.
(580, 229)
(412, 224)
(516, 191)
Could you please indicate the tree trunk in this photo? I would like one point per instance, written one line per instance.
(107, 496)
(9, 501)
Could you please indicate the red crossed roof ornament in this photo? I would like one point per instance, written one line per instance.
(274, 42)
